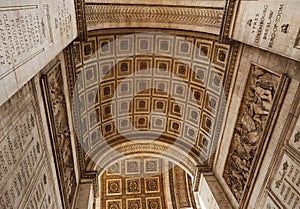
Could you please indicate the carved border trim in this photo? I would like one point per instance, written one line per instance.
(81, 20)
(71, 77)
(231, 7)
(191, 191)
(233, 59)
(171, 182)
(117, 13)
(127, 149)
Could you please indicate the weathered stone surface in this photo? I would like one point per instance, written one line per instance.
(61, 139)
(249, 128)
(31, 35)
(24, 164)
(270, 25)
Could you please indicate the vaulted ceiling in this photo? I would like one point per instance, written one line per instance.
(150, 91)
(145, 182)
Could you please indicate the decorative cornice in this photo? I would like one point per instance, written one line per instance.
(228, 19)
(70, 70)
(69, 64)
(81, 20)
(200, 169)
(233, 59)
(92, 176)
(116, 13)
(126, 149)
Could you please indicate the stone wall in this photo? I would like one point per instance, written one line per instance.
(247, 148)
(27, 172)
(31, 35)
(270, 25)
(63, 141)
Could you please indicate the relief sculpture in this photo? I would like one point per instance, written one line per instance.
(62, 140)
(249, 128)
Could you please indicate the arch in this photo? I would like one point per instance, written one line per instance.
(101, 160)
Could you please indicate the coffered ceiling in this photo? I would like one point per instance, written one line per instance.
(145, 182)
(150, 86)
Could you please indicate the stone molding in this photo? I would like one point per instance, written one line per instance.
(81, 19)
(228, 19)
(126, 149)
(231, 66)
(70, 69)
(60, 132)
(116, 13)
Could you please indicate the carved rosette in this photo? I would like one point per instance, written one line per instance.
(249, 128)
(57, 110)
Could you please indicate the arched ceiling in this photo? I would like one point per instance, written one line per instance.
(146, 182)
(148, 86)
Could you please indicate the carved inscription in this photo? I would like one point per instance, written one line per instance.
(295, 139)
(22, 34)
(63, 23)
(41, 195)
(269, 25)
(266, 24)
(16, 143)
(270, 204)
(249, 128)
(20, 147)
(286, 184)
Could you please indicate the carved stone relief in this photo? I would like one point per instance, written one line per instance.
(54, 87)
(249, 128)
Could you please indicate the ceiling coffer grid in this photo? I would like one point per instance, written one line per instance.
(163, 83)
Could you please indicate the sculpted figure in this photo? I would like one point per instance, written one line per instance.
(261, 93)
